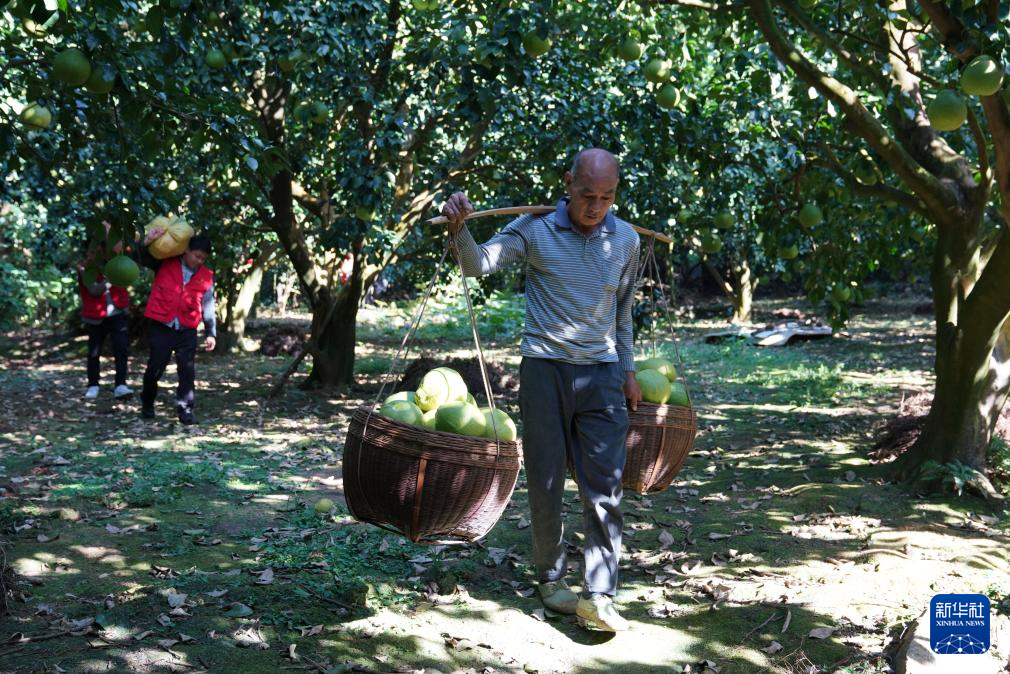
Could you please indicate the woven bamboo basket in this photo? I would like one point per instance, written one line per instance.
(659, 440)
(430, 486)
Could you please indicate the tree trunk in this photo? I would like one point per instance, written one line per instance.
(333, 347)
(743, 299)
(972, 368)
(740, 298)
(240, 305)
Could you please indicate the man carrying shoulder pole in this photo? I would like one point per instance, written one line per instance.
(577, 374)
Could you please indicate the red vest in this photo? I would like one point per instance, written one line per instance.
(170, 299)
(97, 307)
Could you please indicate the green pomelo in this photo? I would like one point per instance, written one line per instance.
(36, 116)
(215, 58)
(428, 419)
(403, 411)
(841, 293)
(655, 386)
(102, 80)
(678, 395)
(711, 244)
(948, 111)
(630, 50)
(121, 271)
(72, 67)
(323, 506)
(788, 252)
(319, 112)
(535, 45)
(810, 215)
(724, 220)
(982, 77)
(432, 391)
(661, 365)
(457, 387)
(656, 71)
(502, 423)
(461, 418)
(668, 96)
(409, 396)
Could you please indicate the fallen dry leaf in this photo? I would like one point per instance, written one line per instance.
(822, 632)
(311, 631)
(772, 648)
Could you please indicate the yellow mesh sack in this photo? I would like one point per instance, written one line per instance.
(174, 241)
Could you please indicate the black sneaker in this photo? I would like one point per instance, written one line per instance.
(186, 418)
(147, 412)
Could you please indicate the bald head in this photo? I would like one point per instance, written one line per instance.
(592, 187)
(597, 163)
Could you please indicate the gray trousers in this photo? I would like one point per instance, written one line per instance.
(581, 410)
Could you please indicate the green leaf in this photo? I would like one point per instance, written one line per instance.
(238, 610)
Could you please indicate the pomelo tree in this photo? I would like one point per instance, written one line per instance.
(875, 68)
(880, 85)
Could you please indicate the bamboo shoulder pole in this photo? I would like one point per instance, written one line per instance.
(538, 210)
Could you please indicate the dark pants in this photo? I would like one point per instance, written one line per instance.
(118, 328)
(165, 340)
(579, 409)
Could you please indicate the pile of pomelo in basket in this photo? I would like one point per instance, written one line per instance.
(442, 403)
(657, 377)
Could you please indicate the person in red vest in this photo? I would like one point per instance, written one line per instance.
(181, 296)
(104, 311)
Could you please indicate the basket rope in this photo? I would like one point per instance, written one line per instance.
(650, 268)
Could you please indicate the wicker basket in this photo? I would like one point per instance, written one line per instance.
(430, 486)
(659, 439)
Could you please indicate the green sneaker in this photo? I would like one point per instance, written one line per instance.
(598, 611)
(558, 597)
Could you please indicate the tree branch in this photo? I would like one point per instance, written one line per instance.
(983, 150)
(950, 29)
(996, 113)
(720, 281)
(880, 190)
(933, 193)
(814, 30)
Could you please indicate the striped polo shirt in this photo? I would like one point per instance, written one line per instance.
(579, 289)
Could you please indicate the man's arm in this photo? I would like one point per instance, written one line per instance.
(625, 328)
(145, 258)
(503, 249)
(143, 255)
(209, 319)
(209, 312)
(625, 303)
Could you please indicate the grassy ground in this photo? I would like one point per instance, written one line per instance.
(149, 547)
